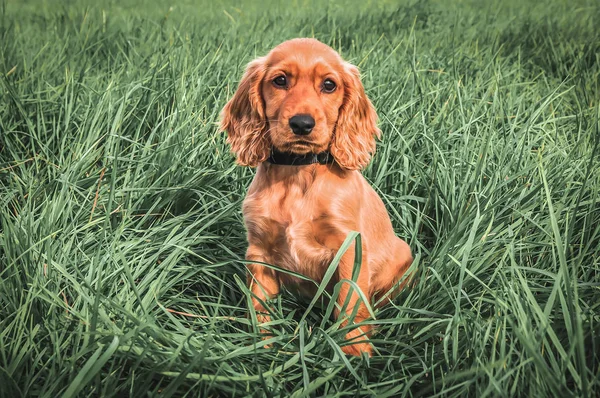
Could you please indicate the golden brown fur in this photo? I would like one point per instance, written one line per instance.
(298, 216)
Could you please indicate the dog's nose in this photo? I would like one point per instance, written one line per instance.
(302, 124)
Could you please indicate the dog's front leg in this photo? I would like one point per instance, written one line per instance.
(262, 282)
(352, 304)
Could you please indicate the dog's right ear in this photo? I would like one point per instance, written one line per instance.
(244, 119)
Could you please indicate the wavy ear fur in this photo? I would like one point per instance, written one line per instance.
(244, 120)
(356, 128)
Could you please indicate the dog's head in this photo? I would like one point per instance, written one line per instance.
(301, 98)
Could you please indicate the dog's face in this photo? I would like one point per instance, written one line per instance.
(301, 98)
(303, 91)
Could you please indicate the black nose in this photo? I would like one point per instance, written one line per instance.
(302, 124)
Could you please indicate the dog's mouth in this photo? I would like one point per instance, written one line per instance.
(286, 141)
(302, 143)
(299, 146)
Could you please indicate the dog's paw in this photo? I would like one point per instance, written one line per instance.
(357, 349)
(266, 334)
(357, 343)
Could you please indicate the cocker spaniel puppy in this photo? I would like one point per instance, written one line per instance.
(301, 116)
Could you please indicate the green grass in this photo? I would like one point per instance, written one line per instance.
(120, 204)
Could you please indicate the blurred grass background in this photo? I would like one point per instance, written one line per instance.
(120, 205)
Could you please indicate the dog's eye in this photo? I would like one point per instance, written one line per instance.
(329, 86)
(280, 81)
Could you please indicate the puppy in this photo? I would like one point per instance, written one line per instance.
(301, 116)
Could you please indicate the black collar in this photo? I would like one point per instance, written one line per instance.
(292, 159)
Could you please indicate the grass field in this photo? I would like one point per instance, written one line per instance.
(120, 204)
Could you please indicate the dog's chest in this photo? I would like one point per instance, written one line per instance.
(272, 214)
(281, 220)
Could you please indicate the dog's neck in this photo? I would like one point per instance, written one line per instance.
(293, 159)
(297, 175)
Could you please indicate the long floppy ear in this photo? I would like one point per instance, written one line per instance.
(353, 142)
(243, 117)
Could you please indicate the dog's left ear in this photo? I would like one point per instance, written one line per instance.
(353, 142)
